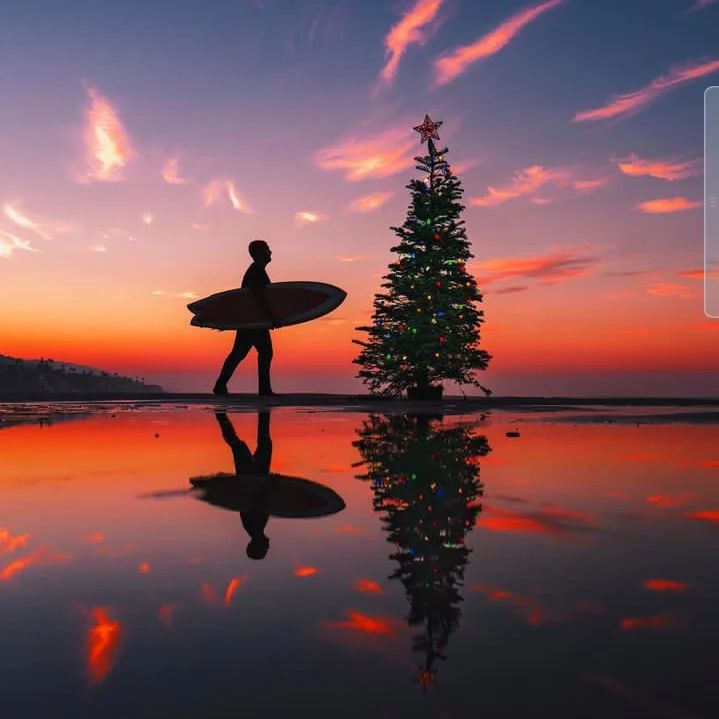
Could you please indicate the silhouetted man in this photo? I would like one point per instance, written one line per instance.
(256, 280)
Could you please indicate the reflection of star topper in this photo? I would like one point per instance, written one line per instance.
(428, 129)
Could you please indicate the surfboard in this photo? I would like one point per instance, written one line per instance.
(292, 302)
(288, 497)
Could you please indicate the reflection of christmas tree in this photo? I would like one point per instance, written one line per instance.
(425, 478)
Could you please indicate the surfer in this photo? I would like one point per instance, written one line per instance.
(256, 280)
(254, 518)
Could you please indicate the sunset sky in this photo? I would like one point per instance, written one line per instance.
(143, 145)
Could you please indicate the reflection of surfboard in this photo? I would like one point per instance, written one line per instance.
(292, 303)
(289, 497)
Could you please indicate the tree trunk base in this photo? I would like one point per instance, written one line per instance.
(430, 392)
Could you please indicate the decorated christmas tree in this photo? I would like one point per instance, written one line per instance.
(425, 326)
(425, 479)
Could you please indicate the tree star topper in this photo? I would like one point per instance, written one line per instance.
(428, 129)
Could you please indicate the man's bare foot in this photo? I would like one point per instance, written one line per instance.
(220, 390)
(268, 393)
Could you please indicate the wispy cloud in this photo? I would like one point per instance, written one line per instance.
(350, 258)
(98, 248)
(590, 185)
(702, 5)
(10, 242)
(171, 171)
(666, 169)
(107, 144)
(369, 203)
(376, 156)
(550, 268)
(454, 63)
(40, 227)
(665, 205)
(187, 295)
(147, 217)
(217, 190)
(551, 520)
(524, 182)
(672, 289)
(632, 102)
(465, 165)
(408, 31)
(306, 217)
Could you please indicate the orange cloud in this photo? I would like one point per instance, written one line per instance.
(350, 258)
(144, 568)
(666, 620)
(103, 638)
(377, 156)
(39, 556)
(10, 242)
(672, 289)
(358, 622)
(9, 542)
(708, 515)
(171, 172)
(527, 607)
(551, 268)
(670, 501)
(449, 66)
(234, 584)
(408, 31)
(368, 203)
(216, 190)
(305, 217)
(542, 200)
(669, 170)
(524, 182)
(589, 185)
(107, 145)
(368, 586)
(632, 102)
(305, 571)
(665, 585)
(668, 204)
(166, 614)
(208, 593)
(550, 520)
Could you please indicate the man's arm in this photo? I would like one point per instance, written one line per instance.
(260, 295)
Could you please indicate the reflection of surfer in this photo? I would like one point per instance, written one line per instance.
(256, 280)
(254, 518)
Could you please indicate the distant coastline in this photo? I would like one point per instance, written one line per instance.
(48, 378)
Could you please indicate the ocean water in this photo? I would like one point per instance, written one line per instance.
(160, 561)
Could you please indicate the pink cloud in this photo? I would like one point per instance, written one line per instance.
(669, 170)
(376, 156)
(666, 205)
(306, 217)
(524, 182)
(107, 144)
(553, 267)
(171, 172)
(632, 102)
(369, 203)
(672, 289)
(590, 185)
(217, 190)
(408, 31)
(454, 63)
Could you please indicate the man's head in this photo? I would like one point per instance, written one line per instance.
(260, 251)
(258, 547)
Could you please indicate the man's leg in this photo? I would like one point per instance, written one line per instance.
(242, 345)
(263, 343)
